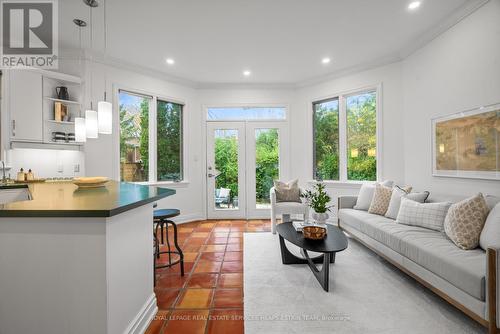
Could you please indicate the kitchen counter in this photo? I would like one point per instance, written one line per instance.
(78, 260)
(67, 200)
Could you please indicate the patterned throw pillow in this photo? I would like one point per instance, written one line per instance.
(427, 215)
(380, 200)
(287, 192)
(365, 195)
(397, 194)
(465, 220)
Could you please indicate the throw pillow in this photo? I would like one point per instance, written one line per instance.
(492, 201)
(490, 235)
(397, 194)
(427, 215)
(465, 220)
(287, 191)
(381, 199)
(365, 195)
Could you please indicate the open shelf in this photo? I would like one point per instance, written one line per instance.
(62, 101)
(61, 122)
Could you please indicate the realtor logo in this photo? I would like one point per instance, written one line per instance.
(29, 34)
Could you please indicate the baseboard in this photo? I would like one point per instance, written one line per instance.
(142, 320)
(182, 219)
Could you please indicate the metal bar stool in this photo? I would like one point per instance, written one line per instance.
(161, 219)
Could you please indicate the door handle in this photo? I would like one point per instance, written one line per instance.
(13, 128)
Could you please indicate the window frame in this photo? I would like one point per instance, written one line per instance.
(343, 140)
(153, 130)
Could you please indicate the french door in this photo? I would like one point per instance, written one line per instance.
(243, 159)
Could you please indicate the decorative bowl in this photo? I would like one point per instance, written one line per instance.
(314, 232)
(90, 182)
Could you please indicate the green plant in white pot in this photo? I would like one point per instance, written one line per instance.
(318, 200)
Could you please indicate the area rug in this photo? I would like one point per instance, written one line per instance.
(367, 295)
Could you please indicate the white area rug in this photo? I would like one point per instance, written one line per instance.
(367, 295)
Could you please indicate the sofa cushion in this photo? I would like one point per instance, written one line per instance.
(490, 235)
(428, 215)
(366, 195)
(465, 220)
(380, 200)
(396, 196)
(287, 191)
(430, 249)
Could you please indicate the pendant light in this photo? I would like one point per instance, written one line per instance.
(91, 124)
(80, 130)
(104, 108)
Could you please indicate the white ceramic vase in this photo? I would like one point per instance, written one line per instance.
(320, 218)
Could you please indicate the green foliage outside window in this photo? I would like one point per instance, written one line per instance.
(226, 162)
(361, 138)
(266, 162)
(326, 125)
(169, 145)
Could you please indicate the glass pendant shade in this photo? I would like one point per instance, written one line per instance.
(80, 132)
(91, 123)
(105, 117)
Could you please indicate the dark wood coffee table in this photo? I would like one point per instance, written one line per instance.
(334, 242)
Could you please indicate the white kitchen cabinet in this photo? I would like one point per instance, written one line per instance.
(25, 104)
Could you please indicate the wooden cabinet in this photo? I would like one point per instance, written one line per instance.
(25, 104)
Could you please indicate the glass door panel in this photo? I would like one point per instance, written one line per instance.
(267, 160)
(226, 170)
(266, 165)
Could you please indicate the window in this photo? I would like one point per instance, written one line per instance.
(326, 143)
(361, 113)
(345, 137)
(134, 137)
(144, 158)
(169, 141)
(246, 113)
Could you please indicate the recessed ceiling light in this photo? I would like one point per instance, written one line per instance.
(247, 73)
(414, 5)
(170, 61)
(325, 60)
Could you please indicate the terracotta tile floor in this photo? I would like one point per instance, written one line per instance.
(209, 298)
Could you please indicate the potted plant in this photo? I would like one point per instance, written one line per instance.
(318, 200)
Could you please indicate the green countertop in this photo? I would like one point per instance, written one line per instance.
(67, 200)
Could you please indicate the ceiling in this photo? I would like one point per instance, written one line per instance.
(279, 41)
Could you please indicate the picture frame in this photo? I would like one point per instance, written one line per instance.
(467, 144)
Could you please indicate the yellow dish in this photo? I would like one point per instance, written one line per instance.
(90, 182)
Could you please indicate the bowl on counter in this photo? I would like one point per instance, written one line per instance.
(90, 182)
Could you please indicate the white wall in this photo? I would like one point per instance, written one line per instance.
(459, 70)
(46, 163)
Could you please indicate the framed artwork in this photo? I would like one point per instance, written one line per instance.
(467, 144)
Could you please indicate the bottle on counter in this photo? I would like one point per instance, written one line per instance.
(30, 176)
(21, 175)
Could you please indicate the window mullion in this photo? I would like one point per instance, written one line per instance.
(342, 140)
(153, 140)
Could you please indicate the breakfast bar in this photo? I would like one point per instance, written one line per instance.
(76, 260)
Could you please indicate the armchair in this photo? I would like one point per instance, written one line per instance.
(285, 208)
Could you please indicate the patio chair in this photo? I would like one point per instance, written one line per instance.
(222, 196)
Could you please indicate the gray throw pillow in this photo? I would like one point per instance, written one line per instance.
(427, 215)
(397, 194)
(490, 235)
(287, 191)
(365, 195)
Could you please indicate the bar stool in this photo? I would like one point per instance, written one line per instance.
(161, 219)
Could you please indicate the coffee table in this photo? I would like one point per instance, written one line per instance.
(334, 242)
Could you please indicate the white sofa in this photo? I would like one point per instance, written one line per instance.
(465, 278)
(285, 208)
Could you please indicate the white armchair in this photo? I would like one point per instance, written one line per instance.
(286, 208)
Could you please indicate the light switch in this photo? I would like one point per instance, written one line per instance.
(77, 168)
(60, 168)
